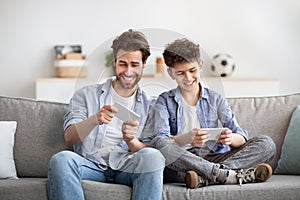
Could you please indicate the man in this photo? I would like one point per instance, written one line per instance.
(179, 116)
(107, 149)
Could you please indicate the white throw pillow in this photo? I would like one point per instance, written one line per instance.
(7, 139)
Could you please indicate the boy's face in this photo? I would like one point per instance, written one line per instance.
(129, 68)
(187, 75)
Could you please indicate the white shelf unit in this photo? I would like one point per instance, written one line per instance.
(62, 89)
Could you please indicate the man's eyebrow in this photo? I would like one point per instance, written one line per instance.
(122, 61)
(135, 62)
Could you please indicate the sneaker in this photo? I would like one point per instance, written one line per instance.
(193, 181)
(259, 173)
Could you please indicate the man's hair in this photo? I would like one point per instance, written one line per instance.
(131, 41)
(181, 51)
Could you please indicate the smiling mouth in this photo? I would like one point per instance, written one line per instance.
(127, 78)
(189, 83)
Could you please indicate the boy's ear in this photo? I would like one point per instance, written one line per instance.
(170, 73)
(201, 65)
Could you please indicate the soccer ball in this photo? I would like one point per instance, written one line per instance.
(222, 65)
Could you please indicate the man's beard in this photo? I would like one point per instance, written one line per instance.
(137, 78)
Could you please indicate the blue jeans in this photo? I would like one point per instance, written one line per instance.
(67, 169)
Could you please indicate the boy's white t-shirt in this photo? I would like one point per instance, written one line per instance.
(190, 119)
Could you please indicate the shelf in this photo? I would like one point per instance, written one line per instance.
(62, 89)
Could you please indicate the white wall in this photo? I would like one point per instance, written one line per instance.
(262, 36)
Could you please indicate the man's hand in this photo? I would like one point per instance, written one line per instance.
(106, 114)
(129, 130)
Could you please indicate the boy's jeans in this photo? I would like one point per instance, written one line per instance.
(205, 163)
(67, 168)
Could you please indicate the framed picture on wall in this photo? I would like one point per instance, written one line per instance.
(64, 49)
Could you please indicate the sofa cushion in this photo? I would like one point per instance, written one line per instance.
(39, 134)
(7, 139)
(95, 190)
(23, 188)
(266, 116)
(285, 187)
(277, 187)
(289, 162)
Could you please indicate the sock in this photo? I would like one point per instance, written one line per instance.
(222, 177)
(231, 177)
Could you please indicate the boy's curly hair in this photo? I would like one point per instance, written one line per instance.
(181, 51)
(131, 41)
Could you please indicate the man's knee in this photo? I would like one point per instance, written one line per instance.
(149, 159)
(60, 160)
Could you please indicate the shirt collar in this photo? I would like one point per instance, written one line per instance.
(204, 93)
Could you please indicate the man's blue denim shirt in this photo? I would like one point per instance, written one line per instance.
(85, 103)
(212, 110)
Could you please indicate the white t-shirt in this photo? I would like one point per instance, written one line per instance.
(113, 134)
(190, 119)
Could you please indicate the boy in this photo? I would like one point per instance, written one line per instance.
(181, 113)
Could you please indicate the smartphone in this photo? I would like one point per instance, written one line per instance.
(125, 113)
(214, 132)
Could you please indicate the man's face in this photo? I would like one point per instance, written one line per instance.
(187, 75)
(129, 68)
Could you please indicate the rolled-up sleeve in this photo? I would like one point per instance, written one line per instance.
(77, 111)
(228, 119)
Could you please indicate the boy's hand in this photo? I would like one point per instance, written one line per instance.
(225, 137)
(200, 137)
(196, 137)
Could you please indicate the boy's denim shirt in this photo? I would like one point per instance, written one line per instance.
(85, 103)
(212, 109)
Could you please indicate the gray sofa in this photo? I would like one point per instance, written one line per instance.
(39, 135)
